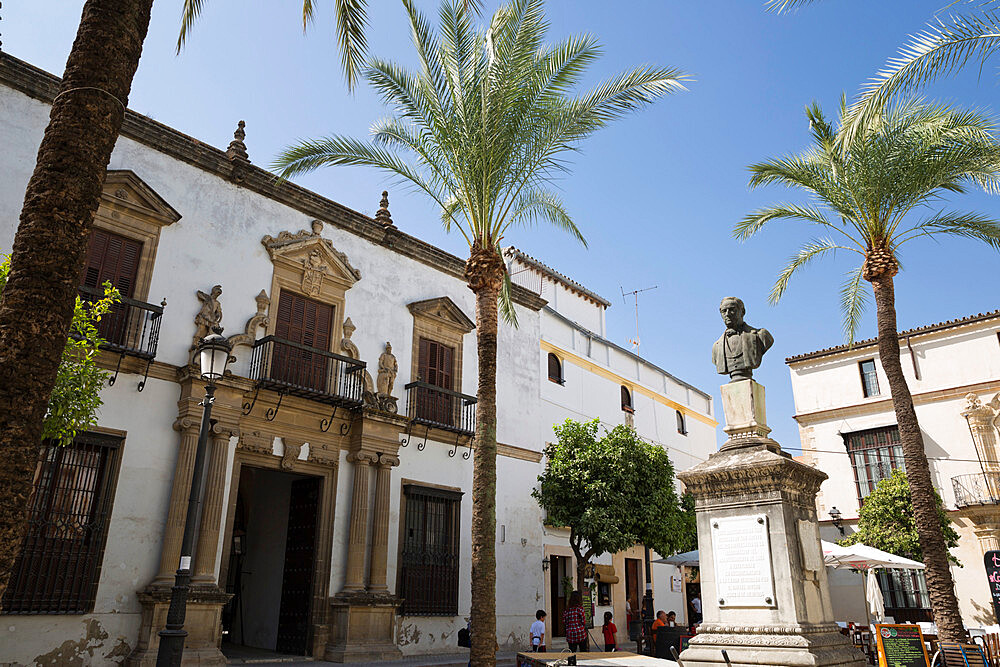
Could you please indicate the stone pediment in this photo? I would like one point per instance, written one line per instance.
(124, 192)
(314, 255)
(442, 310)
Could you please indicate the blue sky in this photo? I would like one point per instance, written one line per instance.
(656, 194)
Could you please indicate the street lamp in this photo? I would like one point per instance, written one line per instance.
(213, 356)
(835, 514)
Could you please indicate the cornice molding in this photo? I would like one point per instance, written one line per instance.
(43, 86)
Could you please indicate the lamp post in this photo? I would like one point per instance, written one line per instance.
(213, 356)
(835, 515)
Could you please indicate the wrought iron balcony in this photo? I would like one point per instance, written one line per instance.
(130, 329)
(285, 367)
(981, 488)
(441, 408)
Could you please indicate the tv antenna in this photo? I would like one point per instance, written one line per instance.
(635, 295)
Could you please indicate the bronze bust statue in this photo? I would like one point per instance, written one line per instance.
(741, 347)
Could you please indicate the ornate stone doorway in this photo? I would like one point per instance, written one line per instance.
(273, 561)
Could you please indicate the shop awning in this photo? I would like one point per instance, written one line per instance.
(605, 574)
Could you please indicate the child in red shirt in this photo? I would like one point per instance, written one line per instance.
(609, 633)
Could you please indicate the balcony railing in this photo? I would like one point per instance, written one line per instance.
(130, 329)
(981, 488)
(441, 408)
(308, 372)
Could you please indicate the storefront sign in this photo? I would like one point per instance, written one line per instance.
(742, 554)
(992, 562)
(901, 646)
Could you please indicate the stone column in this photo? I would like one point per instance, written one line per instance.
(380, 536)
(355, 578)
(211, 510)
(173, 531)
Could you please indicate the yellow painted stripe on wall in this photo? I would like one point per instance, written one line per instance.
(589, 365)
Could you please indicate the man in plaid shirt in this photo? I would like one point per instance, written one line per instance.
(575, 623)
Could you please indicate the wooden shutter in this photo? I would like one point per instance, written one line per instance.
(112, 258)
(435, 364)
(306, 322)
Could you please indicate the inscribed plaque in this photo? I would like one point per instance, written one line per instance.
(742, 555)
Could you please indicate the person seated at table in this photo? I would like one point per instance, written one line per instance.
(671, 619)
(661, 620)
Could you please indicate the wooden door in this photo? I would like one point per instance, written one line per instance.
(557, 568)
(115, 259)
(633, 568)
(436, 367)
(304, 323)
(297, 578)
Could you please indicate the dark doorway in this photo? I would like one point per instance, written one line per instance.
(633, 575)
(272, 560)
(558, 571)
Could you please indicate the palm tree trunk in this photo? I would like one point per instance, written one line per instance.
(51, 242)
(484, 272)
(940, 586)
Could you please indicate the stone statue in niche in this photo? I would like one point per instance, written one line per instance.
(741, 348)
(210, 316)
(387, 369)
(314, 270)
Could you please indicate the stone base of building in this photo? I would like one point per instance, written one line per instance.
(362, 626)
(781, 646)
(203, 622)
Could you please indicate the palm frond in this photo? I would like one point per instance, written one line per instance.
(352, 23)
(537, 205)
(806, 254)
(755, 221)
(308, 13)
(505, 301)
(779, 6)
(190, 11)
(967, 225)
(938, 50)
(854, 300)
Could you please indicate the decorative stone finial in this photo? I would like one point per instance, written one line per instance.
(383, 217)
(237, 149)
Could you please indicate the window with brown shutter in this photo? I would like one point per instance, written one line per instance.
(302, 326)
(436, 366)
(555, 369)
(114, 259)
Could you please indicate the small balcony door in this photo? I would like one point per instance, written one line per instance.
(307, 323)
(436, 364)
(115, 259)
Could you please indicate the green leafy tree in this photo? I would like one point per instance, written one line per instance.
(76, 396)
(886, 520)
(873, 192)
(612, 492)
(482, 127)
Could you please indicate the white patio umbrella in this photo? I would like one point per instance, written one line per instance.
(865, 559)
(691, 558)
(876, 604)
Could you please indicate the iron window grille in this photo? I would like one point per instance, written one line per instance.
(441, 408)
(905, 594)
(874, 453)
(429, 557)
(869, 378)
(59, 565)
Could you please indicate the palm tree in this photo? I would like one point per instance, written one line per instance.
(51, 242)
(482, 128)
(873, 193)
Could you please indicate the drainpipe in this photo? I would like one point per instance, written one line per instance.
(913, 359)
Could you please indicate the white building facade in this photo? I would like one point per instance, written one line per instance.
(337, 510)
(848, 430)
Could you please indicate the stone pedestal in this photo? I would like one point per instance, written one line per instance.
(765, 596)
(203, 623)
(362, 628)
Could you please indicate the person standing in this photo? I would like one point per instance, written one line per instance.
(609, 629)
(538, 632)
(696, 608)
(575, 623)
